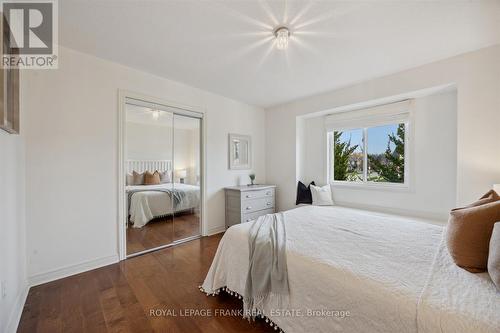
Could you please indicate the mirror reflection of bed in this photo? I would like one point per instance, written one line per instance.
(163, 178)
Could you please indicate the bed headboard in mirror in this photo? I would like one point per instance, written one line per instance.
(141, 166)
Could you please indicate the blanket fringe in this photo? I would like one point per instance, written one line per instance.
(237, 295)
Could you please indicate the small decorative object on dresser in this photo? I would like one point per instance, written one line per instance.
(252, 178)
(247, 203)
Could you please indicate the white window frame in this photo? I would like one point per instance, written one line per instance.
(395, 113)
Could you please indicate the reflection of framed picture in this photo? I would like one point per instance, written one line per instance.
(240, 152)
(9, 91)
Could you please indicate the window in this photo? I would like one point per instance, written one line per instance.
(369, 148)
(386, 153)
(348, 155)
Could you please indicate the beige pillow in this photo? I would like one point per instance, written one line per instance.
(137, 178)
(494, 256)
(468, 235)
(129, 180)
(151, 178)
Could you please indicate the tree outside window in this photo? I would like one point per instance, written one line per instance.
(385, 154)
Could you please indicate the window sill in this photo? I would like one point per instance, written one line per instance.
(372, 186)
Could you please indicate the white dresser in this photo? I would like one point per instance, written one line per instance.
(246, 203)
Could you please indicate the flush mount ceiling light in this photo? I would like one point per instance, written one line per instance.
(282, 36)
(156, 114)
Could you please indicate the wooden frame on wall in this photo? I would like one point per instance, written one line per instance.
(9, 91)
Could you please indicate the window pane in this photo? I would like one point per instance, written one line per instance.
(348, 155)
(386, 155)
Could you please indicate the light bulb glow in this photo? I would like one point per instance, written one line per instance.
(156, 114)
(282, 36)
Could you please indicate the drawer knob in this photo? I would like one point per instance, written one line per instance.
(248, 208)
(248, 220)
(249, 196)
(269, 204)
(268, 193)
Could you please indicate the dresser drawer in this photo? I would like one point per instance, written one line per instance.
(249, 195)
(253, 216)
(246, 203)
(250, 206)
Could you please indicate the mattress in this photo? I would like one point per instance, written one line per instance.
(150, 202)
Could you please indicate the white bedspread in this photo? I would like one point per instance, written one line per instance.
(455, 300)
(372, 266)
(148, 204)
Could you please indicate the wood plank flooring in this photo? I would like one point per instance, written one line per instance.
(119, 297)
(162, 231)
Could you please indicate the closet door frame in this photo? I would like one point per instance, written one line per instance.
(181, 109)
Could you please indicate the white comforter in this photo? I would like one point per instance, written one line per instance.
(148, 204)
(373, 267)
(455, 300)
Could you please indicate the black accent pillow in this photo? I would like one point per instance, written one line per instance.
(304, 195)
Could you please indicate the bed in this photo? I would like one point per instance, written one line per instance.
(357, 271)
(146, 202)
(149, 201)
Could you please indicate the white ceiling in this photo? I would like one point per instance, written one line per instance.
(144, 115)
(226, 47)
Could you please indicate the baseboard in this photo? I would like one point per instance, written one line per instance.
(17, 310)
(69, 270)
(216, 230)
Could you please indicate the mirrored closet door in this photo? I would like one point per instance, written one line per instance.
(163, 176)
(187, 176)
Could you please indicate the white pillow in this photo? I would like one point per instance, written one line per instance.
(322, 196)
(165, 177)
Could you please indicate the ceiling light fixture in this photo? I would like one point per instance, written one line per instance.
(282, 36)
(156, 114)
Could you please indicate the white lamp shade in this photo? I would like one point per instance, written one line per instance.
(496, 188)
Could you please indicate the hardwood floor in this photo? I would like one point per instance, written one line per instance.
(162, 231)
(119, 297)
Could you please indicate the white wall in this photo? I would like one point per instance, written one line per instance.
(477, 78)
(148, 142)
(12, 230)
(71, 157)
(433, 160)
(186, 153)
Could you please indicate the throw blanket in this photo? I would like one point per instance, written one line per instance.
(176, 194)
(267, 270)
